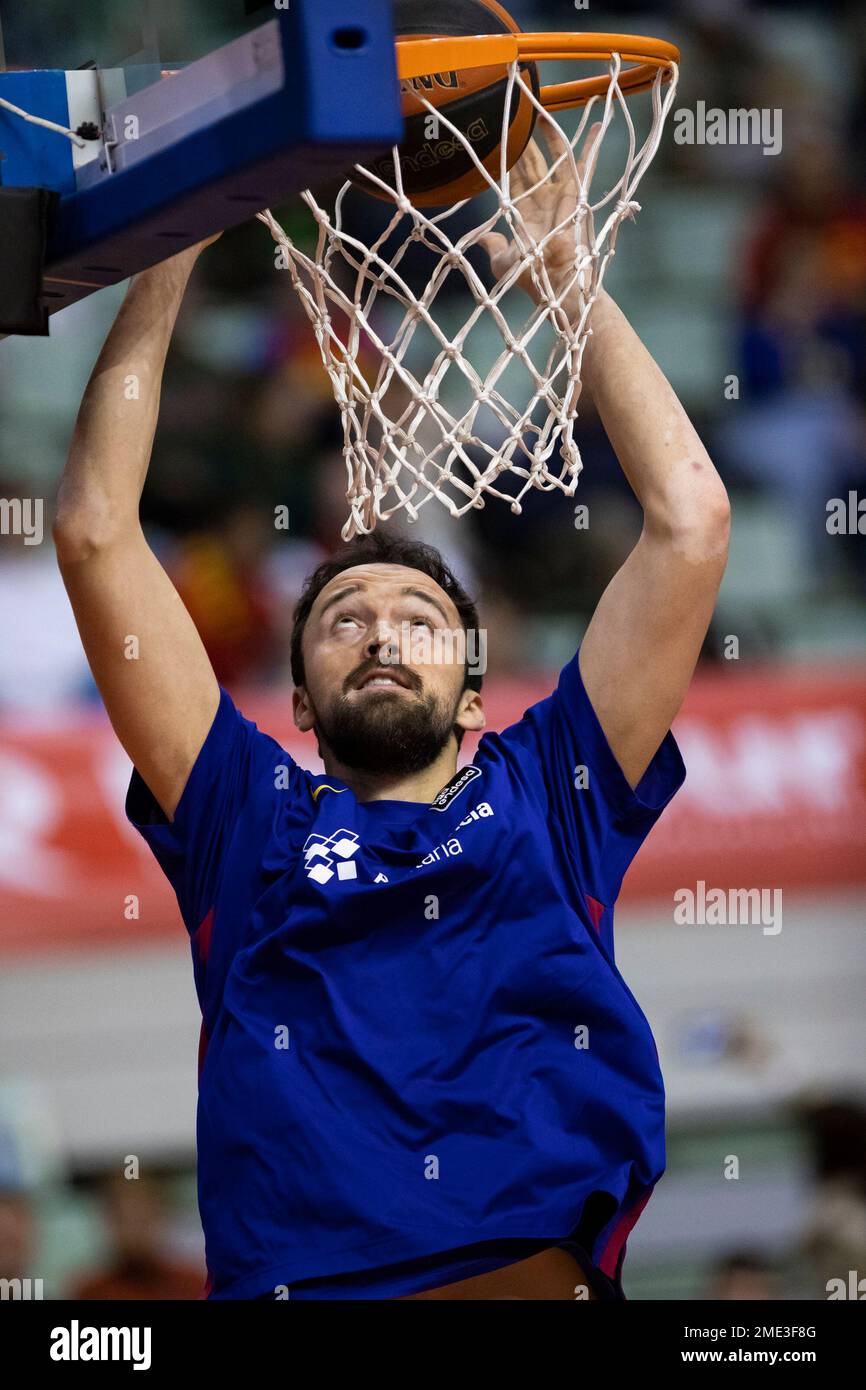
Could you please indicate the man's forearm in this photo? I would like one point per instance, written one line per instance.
(111, 446)
(658, 448)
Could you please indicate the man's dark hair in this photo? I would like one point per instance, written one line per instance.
(381, 549)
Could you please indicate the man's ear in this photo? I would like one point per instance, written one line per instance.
(302, 711)
(470, 712)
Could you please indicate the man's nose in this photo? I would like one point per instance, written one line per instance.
(383, 640)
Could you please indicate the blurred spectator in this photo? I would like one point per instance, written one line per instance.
(138, 1266)
(800, 429)
(804, 282)
(834, 1239)
(221, 577)
(16, 1234)
(743, 1275)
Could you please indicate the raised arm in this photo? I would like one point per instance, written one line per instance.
(144, 651)
(640, 650)
(642, 644)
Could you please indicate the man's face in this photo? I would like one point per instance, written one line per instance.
(384, 671)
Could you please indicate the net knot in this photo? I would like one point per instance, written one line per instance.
(627, 207)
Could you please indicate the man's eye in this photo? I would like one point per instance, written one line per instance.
(345, 618)
(422, 622)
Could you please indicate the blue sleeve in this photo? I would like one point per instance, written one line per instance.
(234, 774)
(603, 820)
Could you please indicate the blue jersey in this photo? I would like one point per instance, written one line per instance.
(419, 1060)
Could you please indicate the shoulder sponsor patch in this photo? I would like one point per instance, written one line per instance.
(459, 782)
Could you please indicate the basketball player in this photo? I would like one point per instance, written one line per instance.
(421, 1073)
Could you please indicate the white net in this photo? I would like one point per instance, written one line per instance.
(429, 410)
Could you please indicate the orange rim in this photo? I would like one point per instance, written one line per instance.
(421, 57)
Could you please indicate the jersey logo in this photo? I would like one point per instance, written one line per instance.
(326, 855)
(459, 782)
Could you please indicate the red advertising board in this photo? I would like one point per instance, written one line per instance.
(775, 797)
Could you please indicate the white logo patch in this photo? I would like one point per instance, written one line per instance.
(325, 855)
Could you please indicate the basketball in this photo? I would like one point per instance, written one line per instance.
(436, 168)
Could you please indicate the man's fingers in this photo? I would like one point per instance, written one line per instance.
(529, 169)
(494, 243)
(587, 150)
(498, 248)
(556, 144)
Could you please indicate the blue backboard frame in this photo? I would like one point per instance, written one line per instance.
(336, 102)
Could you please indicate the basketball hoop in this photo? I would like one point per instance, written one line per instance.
(407, 434)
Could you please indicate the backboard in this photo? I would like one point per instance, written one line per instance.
(182, 117)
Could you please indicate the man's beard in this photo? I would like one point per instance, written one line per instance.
(394, 735)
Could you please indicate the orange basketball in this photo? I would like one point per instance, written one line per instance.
(436, 168)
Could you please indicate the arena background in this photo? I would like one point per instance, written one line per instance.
(745, 274)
